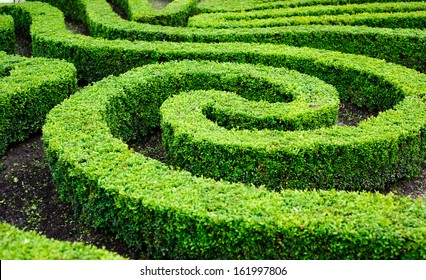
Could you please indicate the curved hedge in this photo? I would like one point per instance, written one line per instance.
(29, 88)
(213, 6)
(20, 245)
(176, 13)
(176, 215)
(385, 15)
(321, 158)
(7, 34)
(404, 46)
(317, 10)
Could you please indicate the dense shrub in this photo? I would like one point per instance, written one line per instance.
(211, 6)
(404, 46)
(176, 215)
(387, 15)
(16, 244)
(29, 88)
(175, 13)
(7, 34)
(173, 214)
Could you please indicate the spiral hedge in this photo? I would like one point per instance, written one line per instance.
(29, 89)
(171, 213)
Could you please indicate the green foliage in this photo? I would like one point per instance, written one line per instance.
(387, 15)
(321, 158)
(173, 214)
(176, 215)
(16, 244)
(403, 46)
(212, 6)
(7, 34)
(175, 13)
(29, 88)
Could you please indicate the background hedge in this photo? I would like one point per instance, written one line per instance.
(175, 13)
(29, 88)
(403, 46)
(7, 34)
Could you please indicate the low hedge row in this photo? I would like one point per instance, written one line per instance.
(7, 34)
(317, 10)
(387, 15)
(382, 20)
(336, 157)
(16, 244)
(175, 13)
(176, 215)
(400, 46)
(29, 88)
(97, 58)
(214, 6)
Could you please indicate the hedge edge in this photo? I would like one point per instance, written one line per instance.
(29, 88)
(175, 215)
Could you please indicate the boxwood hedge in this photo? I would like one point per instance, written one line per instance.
(212, 6)
(386, 15)
(176, 13)
(317, 10)
(29, 88)
(173, 214)
(16, 244)
(403, 46)
(7, 34)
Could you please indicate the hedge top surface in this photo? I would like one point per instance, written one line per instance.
(77, 132)
(81, 140)
(20, 245)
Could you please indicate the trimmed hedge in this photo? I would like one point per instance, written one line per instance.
(387, 15)
(317, 10)
(7, 34)
(382, 20)
(29, 88)
(404, 46)
(323, 158)
(97, 58)
(16, 244)
(213, 6)
(176, 215)
(176, 13)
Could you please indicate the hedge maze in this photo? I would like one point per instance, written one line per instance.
(29, 89)
(247, 96)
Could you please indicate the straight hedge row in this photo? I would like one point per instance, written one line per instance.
(7, 34)
(406, 47)
(29, 88)
(214, 6)
(16, 244)
(404, 15)
(96, 58)
(382, 20)
(173, 214)
(175, 13)
(317, 10)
